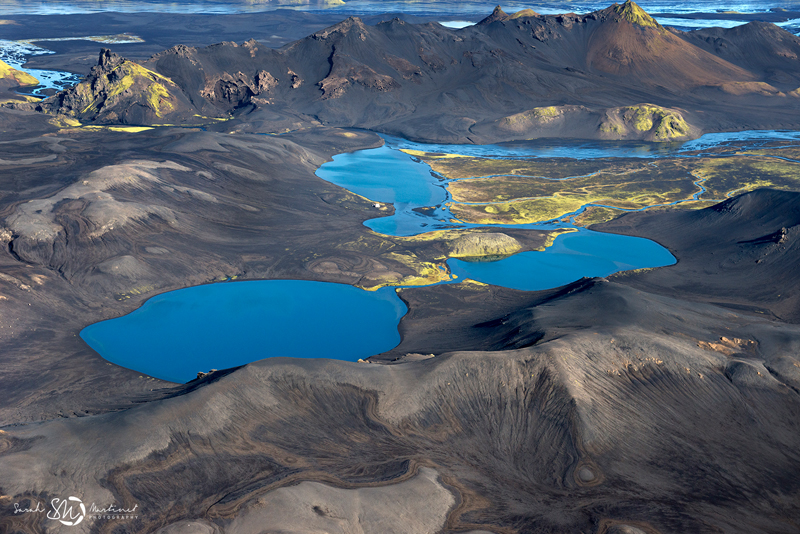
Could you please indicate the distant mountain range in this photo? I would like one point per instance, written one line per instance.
(611, 74)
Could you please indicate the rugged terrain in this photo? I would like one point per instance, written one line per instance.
(658, 415)
(611, 74)
(650, 402)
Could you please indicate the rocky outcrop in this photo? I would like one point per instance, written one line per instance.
(118, 91)
(645, 121)
(484, 244)
(234, 90)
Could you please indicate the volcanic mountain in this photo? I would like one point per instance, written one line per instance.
(614, 73)
(121, 91)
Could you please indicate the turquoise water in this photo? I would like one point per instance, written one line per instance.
(15, 54)
(387, 175)
(571, 257)
(421, 197)
(594, 149)
(176, 334)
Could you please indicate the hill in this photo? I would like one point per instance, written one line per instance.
(118, 91)
(425, 81)
(745, 248)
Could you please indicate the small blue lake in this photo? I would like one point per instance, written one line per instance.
(570, 257)
(217, 326)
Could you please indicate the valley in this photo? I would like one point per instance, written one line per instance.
(538, 274)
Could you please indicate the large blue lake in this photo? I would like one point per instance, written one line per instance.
(217, 326)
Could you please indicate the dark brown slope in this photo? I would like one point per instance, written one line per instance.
(598, 408)
(94, 222)
(759, 47)
(428, 82)
(601, 427)
(741, 253)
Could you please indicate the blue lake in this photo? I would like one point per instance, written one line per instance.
(571, 257)
(176, 334)
(387, 175)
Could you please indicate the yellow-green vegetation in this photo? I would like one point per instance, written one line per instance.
(468, 167)
(20, 77)
(135, 292)
(534, 190)
(120, 80)
(63, 121)
(128, 129)
(659, 124)
(524, 13)
(633, 13)
(532, 117)
(627, 184)
(734, 175)
(426, 272)
(596, 214)
(526, 192)
(158, 98)
(430, 155)
(623, 274)
(614, 128)
(215, 118)
(529, 193)
(521, 212)
(789, 152)
(483, 244)
(552, 235)
(19, 98)
(469, 283)
(425, 254)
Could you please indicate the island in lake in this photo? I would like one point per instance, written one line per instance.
(341, 271)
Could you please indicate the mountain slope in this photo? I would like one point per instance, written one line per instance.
(425, 81)
(120, 91)
(643, 421)
(10, 79)
(740, 253)
(764, 49)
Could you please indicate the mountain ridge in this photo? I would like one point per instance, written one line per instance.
(425, 81)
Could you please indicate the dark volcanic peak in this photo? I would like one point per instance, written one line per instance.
(634, 14)
(344, 28)
(497, 14)
(119, 91)
(509, 77)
